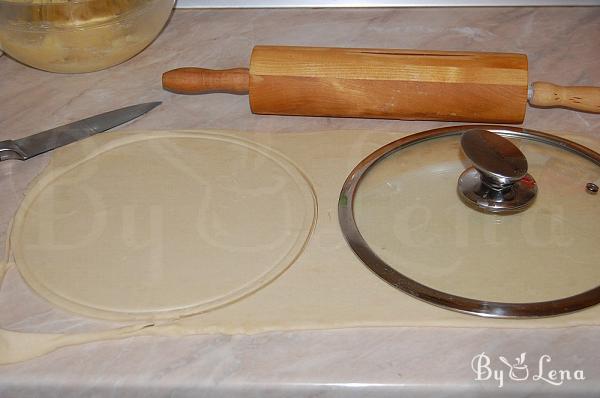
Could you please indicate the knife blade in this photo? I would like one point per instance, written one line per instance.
(33, 145)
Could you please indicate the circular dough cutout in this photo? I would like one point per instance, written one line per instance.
(159, 225)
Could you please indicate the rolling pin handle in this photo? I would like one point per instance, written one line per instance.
(580, 98)
(202, 81)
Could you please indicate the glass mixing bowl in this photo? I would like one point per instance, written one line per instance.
(73, 36)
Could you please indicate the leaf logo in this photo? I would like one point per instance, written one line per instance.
(519, 371)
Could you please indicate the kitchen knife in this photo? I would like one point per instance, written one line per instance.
(385, 83)
(28, 147)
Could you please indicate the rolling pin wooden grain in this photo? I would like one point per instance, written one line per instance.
(385, 83)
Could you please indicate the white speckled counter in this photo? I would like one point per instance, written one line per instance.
(563, 47)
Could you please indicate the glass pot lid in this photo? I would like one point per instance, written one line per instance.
(487, 220)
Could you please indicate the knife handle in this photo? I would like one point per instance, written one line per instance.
(199, 81)
(10, 150)
(579, 98)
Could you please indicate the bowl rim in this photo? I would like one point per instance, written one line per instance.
(135, 11)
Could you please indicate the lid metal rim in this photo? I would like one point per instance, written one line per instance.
(492, 309)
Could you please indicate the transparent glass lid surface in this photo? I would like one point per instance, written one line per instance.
(412, 228)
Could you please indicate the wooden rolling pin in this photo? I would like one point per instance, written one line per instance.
(389, 84)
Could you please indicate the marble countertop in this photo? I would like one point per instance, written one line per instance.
(563, 47)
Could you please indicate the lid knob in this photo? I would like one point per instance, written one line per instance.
(498, 182)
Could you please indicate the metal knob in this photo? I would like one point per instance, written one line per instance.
(498, 182)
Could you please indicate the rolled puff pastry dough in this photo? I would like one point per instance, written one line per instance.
(160, 225)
